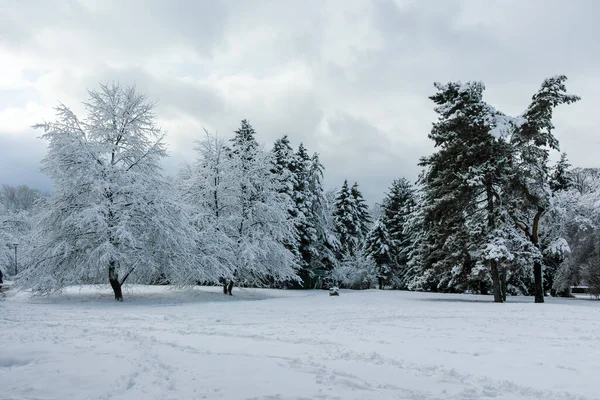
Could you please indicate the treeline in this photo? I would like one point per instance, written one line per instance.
(488, 214)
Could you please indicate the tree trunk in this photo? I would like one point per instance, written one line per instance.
(230, 287)
(538, 278)
(538, 282)
(496, 281)
(113, 278)
(503, 282)
(491, 226)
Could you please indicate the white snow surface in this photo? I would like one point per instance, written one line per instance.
(277, 344)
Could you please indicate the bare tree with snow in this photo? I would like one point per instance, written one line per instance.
(112, 214)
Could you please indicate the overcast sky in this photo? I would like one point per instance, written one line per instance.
(350, 79)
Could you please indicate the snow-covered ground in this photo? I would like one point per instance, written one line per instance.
(270, 344)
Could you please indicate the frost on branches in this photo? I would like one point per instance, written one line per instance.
(580, 212)
(112, 214)
(241, 210)
(18, 208)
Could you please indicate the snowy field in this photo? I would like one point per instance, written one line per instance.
(270, 344)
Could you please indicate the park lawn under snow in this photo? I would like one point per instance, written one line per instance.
(275, 344)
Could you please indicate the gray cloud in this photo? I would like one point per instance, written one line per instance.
(348, 78)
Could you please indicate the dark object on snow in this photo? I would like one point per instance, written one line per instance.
(1, 281)
(227, 288)
(334, 291)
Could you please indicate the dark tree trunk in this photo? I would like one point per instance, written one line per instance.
(225, 287)
(113, 278)
(503, 283)
(538, 278)
(497, 289)
(483, 288)
(230, 287)
(538, 283)
(380, 283)
(496, 282)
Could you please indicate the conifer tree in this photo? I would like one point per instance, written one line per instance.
(378, 246)
(462, 187)
(397, 207)
(532, 141)
(283, 161)
(560, 178)
(352, 219)
(303, 202)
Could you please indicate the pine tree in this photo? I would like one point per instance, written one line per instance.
(327, 242)
(304, 223)
(532, 141)
(363, 217)
(345, 221)
(397, 206)
(351, 218)
(463, 182)
(283, 162)
(244, 141)
(378, 246)
(560, 177)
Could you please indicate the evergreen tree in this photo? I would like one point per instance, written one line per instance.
(327, 242)
(378, 246)
(283, 162)
(244, 141)
(532, 141)
(303, 202)
(560, 178)
(397, 207)
(463, 184)
(351, 218)
(363, 217)
(346, 221)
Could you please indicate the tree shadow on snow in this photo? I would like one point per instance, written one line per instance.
(139, 295)
(476, 299)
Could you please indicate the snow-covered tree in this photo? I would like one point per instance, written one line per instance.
(581, 228)
(283, 162)
(112, 213)
(378, 246)
(532, 140)
(396, 207)
(468, 226)
(327, 243)
(303, 202)
(351, 219)
(18, 211)
(239, 206)
(356, 271)
(560, 178)
(363, 217)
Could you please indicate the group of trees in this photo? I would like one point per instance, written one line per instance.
(488, 213)
(17, 211)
